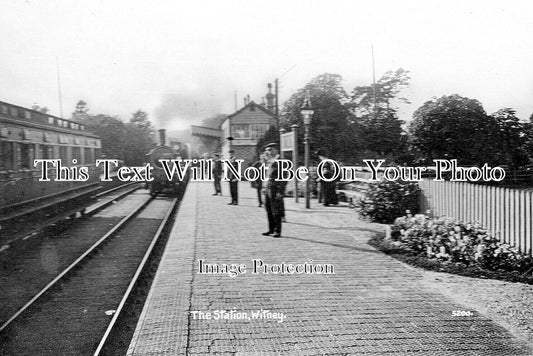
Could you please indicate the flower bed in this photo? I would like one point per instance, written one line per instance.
(450, 241)
(383, 201)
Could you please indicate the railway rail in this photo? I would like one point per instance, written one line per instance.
(68, 315)
(32, 224)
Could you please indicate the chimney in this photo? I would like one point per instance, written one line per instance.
(270, 98)
(162, 138)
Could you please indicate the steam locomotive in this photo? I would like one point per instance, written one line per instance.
(160, 183)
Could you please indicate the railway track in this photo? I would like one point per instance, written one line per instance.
(74, 313)
(32, 225)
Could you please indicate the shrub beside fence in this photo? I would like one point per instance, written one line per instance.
(506, 213)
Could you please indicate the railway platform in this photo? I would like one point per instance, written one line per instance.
(290, 304)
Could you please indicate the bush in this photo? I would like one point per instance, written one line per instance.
(386, 200)
(447, 240)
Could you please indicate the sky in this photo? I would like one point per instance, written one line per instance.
(183, 61)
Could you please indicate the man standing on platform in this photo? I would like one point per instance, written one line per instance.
(233, 182)
(217, 173)
(258, 183)
(274, 192)
(327, 189)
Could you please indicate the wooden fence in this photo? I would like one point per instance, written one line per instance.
(507, 213)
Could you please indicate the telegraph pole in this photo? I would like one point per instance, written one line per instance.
(276, 107)
(59, 88)
(374, 81)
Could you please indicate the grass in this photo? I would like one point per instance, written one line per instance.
(378, 241)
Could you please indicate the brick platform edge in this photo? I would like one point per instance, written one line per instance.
(174, 282)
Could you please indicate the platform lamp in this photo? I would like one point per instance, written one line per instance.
(307, 114)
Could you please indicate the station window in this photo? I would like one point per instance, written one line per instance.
(44, 151)
(2, 159)
(50, 120)
(258, 131)
(82, 128)
(88, 153)
(54, 152)
(63, 155)
(25, 155)
(76, 155)
(27, 114)
(6, 156)
(4, 110)
(240, 131)
(59, 122)
(14, 111)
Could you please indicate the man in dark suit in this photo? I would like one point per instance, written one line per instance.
(233, 182)
(274, 192)
(217, 173)
(327, 189)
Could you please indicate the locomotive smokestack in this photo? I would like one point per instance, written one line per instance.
(162, 138)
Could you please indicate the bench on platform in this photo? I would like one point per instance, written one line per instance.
(350, 191)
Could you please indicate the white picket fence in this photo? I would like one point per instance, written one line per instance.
(507, 213)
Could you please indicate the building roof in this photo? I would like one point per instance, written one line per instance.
(203, 131)
(251, 104)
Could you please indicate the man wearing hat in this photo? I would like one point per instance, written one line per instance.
(233, 181)
(274, 192)
(217, 173)
(327, 189)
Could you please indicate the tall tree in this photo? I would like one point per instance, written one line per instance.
(270, 136)
(383, 133)
(381, 96)
(138, 139)
(141, 121)
(527, 145)
(329, 128)
(511, 138)
(454, 127)
(111, 130)
(39, 108)
(375, 113)
(81, 112)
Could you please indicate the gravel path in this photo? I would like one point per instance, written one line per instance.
(508, 304)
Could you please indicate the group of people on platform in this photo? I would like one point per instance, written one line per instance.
(273, 190)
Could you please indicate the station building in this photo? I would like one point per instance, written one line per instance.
(243, 129)
(240, 131)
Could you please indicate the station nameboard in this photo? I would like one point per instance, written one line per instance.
(287, 142)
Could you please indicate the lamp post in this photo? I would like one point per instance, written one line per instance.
(307, 114)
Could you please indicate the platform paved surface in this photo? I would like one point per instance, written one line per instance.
(372, 305)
